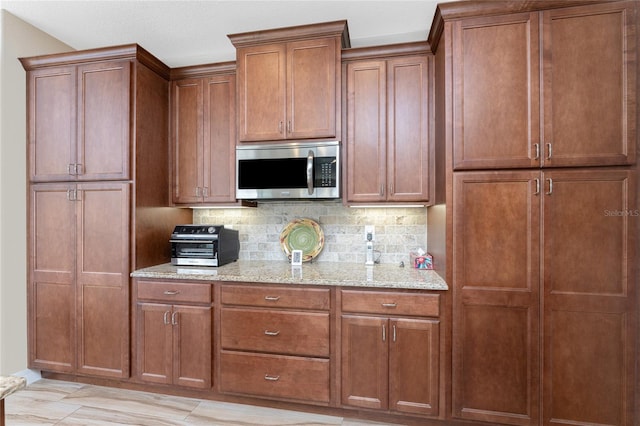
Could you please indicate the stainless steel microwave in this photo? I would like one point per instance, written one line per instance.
(297, 170)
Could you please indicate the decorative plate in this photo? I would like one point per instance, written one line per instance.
(302, 234)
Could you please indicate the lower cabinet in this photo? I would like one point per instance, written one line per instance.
(276, 342)
(173, 339)
(78, 288)
(390, 363)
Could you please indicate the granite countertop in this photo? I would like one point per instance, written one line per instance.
(11, 384)
(318, 273)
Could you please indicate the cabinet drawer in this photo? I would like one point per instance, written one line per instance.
(277, 376)
(174, 291)
(391, 303)
(281, 297)
(284, 332)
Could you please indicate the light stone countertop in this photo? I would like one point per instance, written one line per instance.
(318, 273)
(11, 384)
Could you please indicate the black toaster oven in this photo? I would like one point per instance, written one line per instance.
(204, 245)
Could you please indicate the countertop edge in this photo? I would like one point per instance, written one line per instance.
(328, 274)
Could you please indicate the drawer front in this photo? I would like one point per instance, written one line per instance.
(277, 297)
(283, 332)
(168, 291)
(277, 376)
(391, 303)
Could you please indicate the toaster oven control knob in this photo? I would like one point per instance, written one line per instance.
(211, 229)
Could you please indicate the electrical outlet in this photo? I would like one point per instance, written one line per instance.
(369, 233)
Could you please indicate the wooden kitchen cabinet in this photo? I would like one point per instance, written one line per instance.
(276, 342)
(79, 122)
(98, 176)
(289, 82)
(78, 288)
(173, 341)
(502, 89)
(496, 297)
(561, 240)
(390, 363)
(203, 138)
(388, 130)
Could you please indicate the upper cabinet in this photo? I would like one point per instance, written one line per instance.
(388, 102)
(288, 82)
(203, 124)
(79, 121)
(529, 92)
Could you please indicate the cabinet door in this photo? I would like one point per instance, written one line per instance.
(408, 164)
(414, 355)
(311, 89)
(590, 99)
(496, 102)
(219, 152)
(590, 296)
(366, 131)
(187, 140)
(192, 346)
(52, 123)
(261, 72)
(51, 289)
(496, 281)
(104, 120)
(154, 345)
(102, 271)
(365, 362)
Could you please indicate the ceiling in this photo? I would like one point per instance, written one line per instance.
(191, 32)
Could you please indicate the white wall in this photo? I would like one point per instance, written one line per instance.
(17, 39)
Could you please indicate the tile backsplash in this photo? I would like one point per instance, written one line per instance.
(398, 230)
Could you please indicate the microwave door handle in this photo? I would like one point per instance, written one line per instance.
(310, 172)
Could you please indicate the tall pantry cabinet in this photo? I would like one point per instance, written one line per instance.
(539, 121)
(96, 211)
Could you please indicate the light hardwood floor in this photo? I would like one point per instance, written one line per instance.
(53, 402)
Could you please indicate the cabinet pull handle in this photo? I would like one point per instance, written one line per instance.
(272, 298)
(537, 147)
(550, 186)
(384, 333)
(197, 191)
(74, 195)
(70, 169)
(165, 318)
(69, 194)
(77, 169)
(389, 305)
(391, 189)
(271, 378)
(205, 191)
(280, 127)
(174, 318)
(394, 333)
(537, 187)
(289, 126)
(271, 333)
(171, 292)
(549, 151)
(381, 190)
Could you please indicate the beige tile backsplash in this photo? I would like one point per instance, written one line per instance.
(398, 230)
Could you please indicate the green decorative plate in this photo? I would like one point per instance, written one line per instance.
(302, 234)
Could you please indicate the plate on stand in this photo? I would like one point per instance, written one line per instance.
(302, 234)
